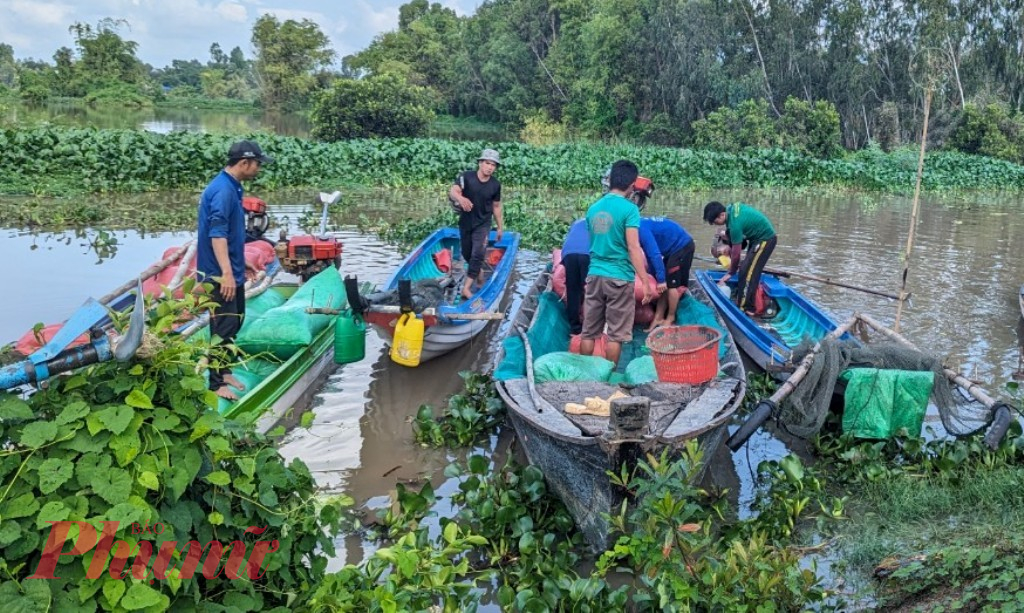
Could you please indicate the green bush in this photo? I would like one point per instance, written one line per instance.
(811, 128)
(994, 131)
(118, 94)
(139, 444)
(736, 128)
(380, 106)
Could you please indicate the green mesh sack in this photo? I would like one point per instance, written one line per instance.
(641, 370)
(565, 366)
(513, 365)
(692, 312)
(256, 306)
(283, 330)
(550, 329)
(877, 403)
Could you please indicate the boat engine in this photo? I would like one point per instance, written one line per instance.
(256, 220)
(307, 255)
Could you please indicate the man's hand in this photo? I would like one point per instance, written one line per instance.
(227, 286)
(466, 204)
(250, 271)
(723, 280)
(661, 287)
(499, 234)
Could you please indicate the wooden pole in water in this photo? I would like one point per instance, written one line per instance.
(914, 211)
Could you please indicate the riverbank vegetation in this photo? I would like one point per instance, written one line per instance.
(62, 161)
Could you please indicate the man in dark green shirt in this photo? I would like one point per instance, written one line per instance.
(744, 223)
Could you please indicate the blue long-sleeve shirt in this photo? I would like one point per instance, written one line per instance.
(577, 240)
(661, 237)
(221, 216)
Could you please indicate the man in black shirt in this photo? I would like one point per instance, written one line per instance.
(478, 194)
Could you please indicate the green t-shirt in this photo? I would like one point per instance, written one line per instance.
(746, 223)
(607, 220)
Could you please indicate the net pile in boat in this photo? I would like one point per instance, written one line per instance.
(804, 411)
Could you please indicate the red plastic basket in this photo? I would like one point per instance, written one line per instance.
(685, 354)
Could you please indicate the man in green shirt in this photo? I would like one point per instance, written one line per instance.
(615, 256)
(744, 224)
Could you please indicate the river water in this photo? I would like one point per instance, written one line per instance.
(965, 272)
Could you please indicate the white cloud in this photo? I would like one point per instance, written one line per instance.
(38, 13)
(233, 11)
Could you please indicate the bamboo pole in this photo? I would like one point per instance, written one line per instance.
(969, 386)
(802, 275)
(914, 212)
(179, 275)
(145, 274)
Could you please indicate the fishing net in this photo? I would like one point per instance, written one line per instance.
(805, 410)
(426, 293)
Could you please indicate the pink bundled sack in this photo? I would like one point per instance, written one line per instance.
(259, 254)
(638, 288)
(558, 281)
(600, 345)
(154, 286)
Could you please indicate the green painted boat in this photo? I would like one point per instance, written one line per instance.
(291, 385)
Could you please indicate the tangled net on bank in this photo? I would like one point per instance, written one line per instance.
(805, 410)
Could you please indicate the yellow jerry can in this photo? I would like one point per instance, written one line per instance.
(408, 342)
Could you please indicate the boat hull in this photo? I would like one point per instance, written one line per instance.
(442, 334)
(576, 465)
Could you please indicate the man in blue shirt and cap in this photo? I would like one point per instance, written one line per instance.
(220, 252)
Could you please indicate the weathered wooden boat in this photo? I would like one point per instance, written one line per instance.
(769, 341)
(792, 319)
(576, 452)
(449, 320)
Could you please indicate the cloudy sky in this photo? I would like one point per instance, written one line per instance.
(185, 29)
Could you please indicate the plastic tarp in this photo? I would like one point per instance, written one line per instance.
(641, 370)
(285, 329)
(878, 403)
(513, 365)
(565, 366)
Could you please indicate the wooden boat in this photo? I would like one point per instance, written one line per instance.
(769, 341)
(290, 384)
(791, 319)
(453, 321)
(575, 452)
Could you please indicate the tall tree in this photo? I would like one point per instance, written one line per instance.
(287, 58)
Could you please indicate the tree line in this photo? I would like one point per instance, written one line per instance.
(818, 75)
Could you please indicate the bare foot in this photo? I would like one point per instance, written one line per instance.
(226, 393)
(233, 381)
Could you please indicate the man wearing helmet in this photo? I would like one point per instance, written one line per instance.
(477, 196)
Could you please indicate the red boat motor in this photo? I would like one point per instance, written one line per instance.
(256, 220)
(307, 255)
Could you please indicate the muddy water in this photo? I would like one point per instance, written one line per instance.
(965, 272)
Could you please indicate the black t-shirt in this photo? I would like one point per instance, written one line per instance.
(482, 195)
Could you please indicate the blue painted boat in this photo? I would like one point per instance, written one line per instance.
(446, 325)
(769, 341)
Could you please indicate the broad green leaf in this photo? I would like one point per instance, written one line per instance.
(38, 433)
(10, 530)
(219, 477)
(116, 418)
(73, 412)
(141, 596)
(165, 420)
(126, 446)
(113, 589)
(22, 506)
(53, 473)
(36, 596)
(89, 465)
(216, 518)
(74, 382)
(51, 511)
(138, 399)
(206, 424)
(307, 419)
(114, 485)
(13, 408)
(149, 480)
(126, 513)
